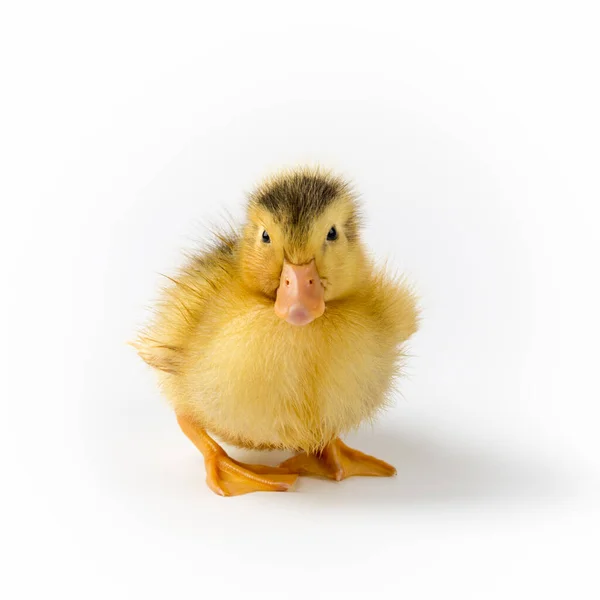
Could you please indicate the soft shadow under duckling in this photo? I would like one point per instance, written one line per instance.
(282, 336)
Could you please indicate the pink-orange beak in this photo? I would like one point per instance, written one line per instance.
(300, 295)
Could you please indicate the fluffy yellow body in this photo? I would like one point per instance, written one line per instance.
(227, 361)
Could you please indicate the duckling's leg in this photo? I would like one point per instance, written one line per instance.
(228, 477)
(338, 461)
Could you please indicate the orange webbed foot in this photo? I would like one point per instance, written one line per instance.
(338, 461)
(228, 477)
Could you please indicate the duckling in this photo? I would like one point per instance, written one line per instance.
(282, 335)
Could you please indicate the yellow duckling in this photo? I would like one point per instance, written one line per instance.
(282, 336)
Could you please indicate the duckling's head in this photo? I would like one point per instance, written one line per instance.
(301, 244)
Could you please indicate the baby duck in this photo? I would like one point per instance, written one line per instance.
(283, 335)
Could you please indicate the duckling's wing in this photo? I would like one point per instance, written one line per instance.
(396, 304)
(162, 343)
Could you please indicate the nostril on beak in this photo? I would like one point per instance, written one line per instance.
(287, 282)
(310, 282)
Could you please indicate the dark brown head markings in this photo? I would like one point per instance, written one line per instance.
(300, 197)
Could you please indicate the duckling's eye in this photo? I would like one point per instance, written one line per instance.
(265, 237)
(332, 235)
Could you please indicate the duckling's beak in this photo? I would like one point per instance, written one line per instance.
(300, 296)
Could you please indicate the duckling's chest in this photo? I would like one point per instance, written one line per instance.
(269, 383)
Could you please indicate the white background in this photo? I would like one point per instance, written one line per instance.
(471, 130)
